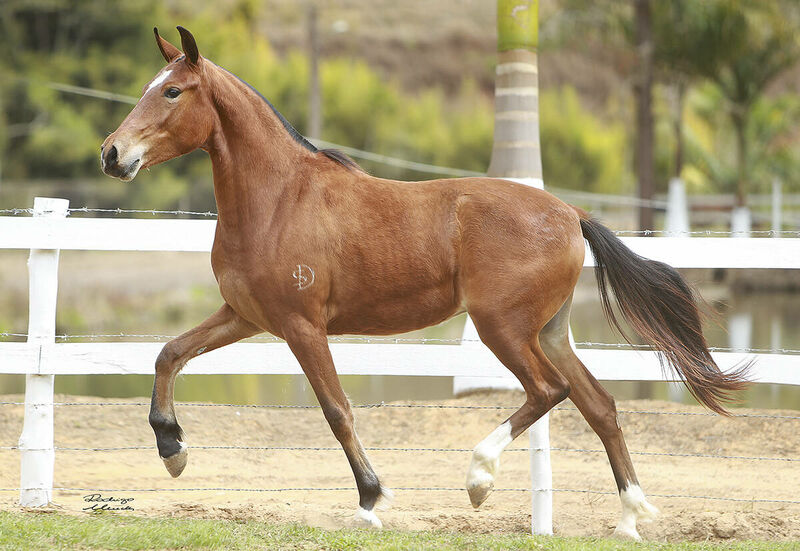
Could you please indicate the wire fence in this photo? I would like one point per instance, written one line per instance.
(398, 406)
(409, 489)
(408, 449)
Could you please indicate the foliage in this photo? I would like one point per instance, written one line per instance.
(578, 150)
(771, 132)
(50, 134)
(46, 134)
(742, 47)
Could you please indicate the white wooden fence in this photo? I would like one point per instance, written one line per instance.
(49, 230)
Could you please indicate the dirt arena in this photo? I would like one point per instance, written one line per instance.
(575, 513)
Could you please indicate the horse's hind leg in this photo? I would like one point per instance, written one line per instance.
(544, 388)
(222, 328)
(597, 407)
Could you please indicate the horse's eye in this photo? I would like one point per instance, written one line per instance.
(172, 93)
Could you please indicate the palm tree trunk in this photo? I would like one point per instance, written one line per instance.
(516, 152)
(315, 96)
(643, 87)
(680, 97)
(741, 153)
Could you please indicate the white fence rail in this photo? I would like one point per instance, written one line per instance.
(109, 234)
(40, 359)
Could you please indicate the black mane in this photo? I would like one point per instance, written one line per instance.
(333, 154)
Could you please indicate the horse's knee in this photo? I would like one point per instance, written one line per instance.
(169, 356)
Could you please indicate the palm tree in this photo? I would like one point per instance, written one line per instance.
(686, 48)
(516, 152)
(762, 43)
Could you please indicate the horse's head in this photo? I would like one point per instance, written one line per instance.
(174, 115)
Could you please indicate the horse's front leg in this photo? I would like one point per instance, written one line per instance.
(224, 327)
(309, 344)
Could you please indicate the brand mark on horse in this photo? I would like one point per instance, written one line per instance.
(304, 276)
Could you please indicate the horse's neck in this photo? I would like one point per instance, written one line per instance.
(254, 159)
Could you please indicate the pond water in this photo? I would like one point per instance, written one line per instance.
(768, 321)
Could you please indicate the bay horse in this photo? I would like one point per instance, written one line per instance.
(309, 245)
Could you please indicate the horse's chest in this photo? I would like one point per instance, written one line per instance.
(247, 293)
(240, 294)
(264, 292)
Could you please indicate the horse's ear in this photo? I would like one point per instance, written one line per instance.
(189, 46)
(169, 51)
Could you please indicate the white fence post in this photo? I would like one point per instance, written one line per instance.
(741, 221)
(541, 478)
(677, 209)
(777, 206)
(678, 226)
(37, 454)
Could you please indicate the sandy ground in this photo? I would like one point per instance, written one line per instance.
(575, 513)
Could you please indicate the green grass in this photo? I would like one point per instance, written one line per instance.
(49, 531)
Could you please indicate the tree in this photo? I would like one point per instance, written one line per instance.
(686, 48)
(620, 25)
(314, 95)
(760, 42)
(516, 151)
(643, 89)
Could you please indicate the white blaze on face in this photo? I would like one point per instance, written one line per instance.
(158, 80)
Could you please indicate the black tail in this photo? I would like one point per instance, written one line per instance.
(660, 306)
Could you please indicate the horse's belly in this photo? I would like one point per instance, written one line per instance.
(386, 315)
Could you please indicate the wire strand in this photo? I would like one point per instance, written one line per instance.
(617, 200)
(400, 406)
(403, 450)
(403, 489)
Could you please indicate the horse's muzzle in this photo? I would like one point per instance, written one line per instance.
(111, 165)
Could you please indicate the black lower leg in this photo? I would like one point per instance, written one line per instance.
(367, 482)
(340, 420)
(168, 432)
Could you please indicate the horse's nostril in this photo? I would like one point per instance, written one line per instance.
(111, 155)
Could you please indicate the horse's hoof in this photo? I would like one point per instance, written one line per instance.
(623, 532)
(479, 492)
(367, 519)
(635, 507)
(177, 462)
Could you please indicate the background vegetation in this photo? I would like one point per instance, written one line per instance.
(410, 83)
